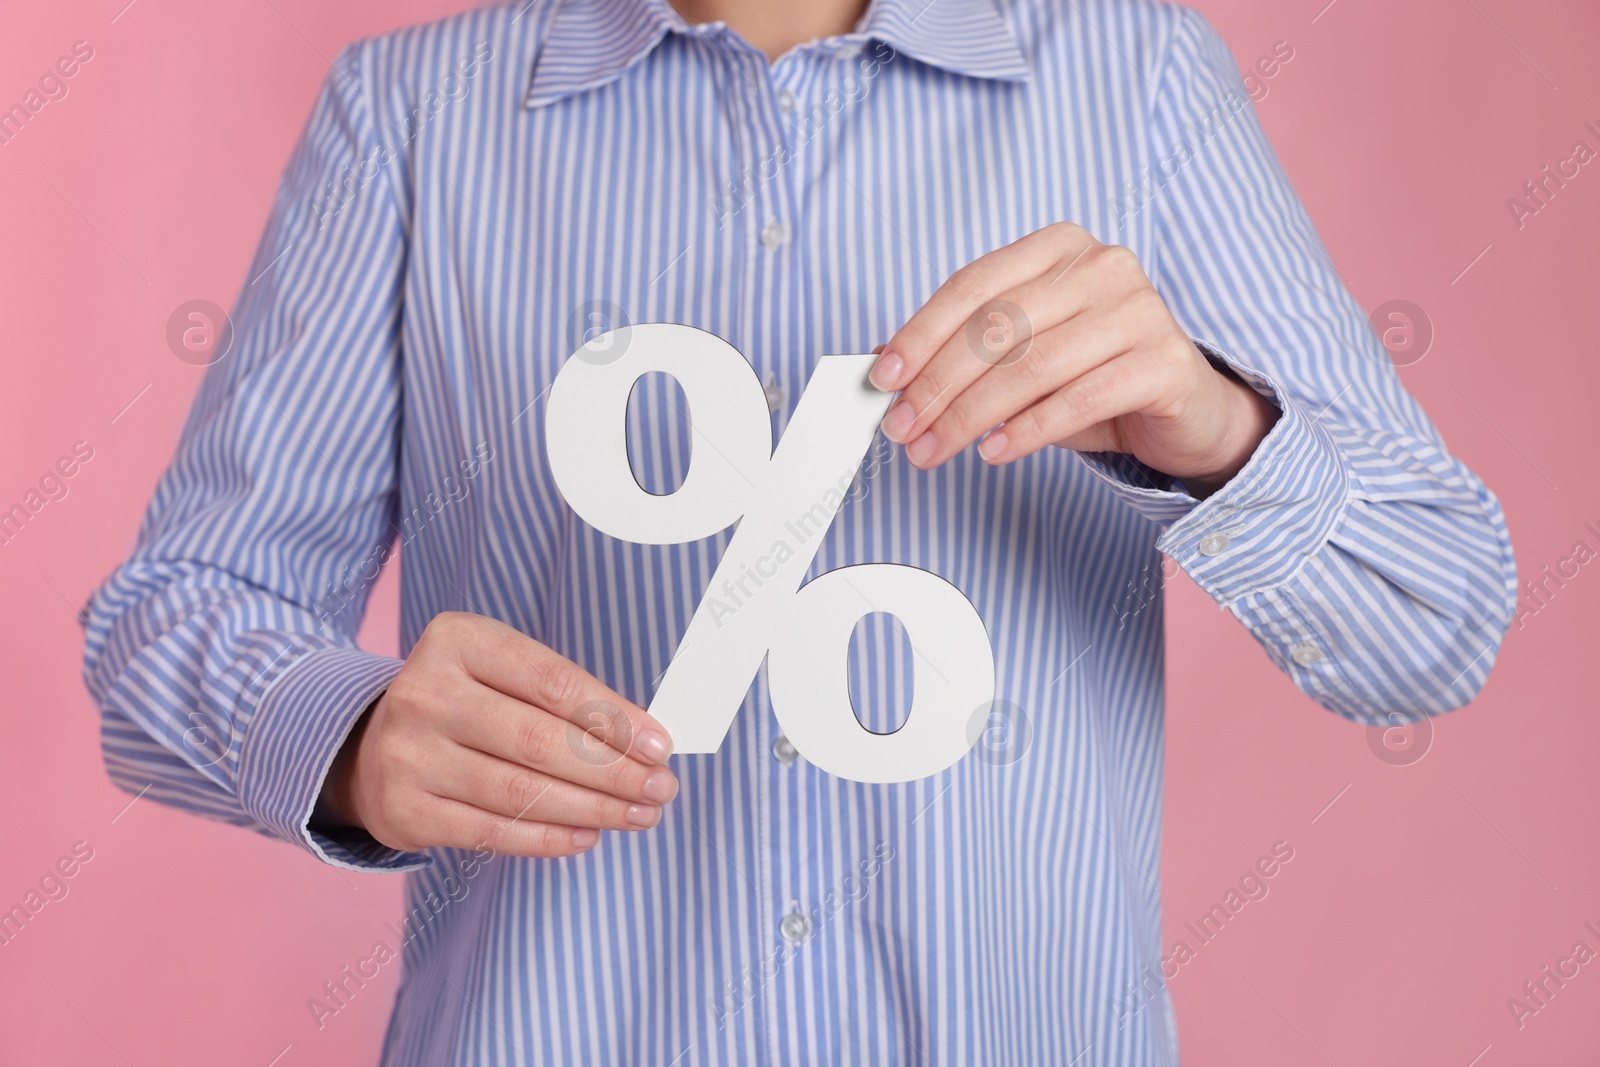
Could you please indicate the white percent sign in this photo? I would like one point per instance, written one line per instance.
(783, 500)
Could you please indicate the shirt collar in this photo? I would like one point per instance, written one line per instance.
(962, 36)
(590, 43)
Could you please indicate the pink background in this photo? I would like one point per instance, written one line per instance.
(1415, 905)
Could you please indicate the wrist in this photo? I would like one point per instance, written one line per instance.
(336, 802)
(1248, 418)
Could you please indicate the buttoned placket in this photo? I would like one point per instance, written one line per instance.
(760, 103)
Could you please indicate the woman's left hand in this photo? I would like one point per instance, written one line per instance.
(1059, 339)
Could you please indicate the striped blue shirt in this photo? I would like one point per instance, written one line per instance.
(472, 200)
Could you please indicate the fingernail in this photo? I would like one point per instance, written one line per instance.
(660, 787)
(585, 838)
(654, 746)
(886, 371)
(921, 450)
(898, 421)
(993, 445)
(641, 815)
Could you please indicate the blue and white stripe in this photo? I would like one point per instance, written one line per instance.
(465, 194)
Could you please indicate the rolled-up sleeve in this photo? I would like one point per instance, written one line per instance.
(1373, 567)
(222, 654)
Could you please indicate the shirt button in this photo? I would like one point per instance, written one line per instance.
(786, 102)
(850, 51)
(773, 234)
(1213, 544)
(795, 927)
(774, 393)
(783, 750)
(1306, 655)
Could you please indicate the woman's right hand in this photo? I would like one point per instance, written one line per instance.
(488, 740)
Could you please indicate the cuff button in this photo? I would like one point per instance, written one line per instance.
(1306, 655)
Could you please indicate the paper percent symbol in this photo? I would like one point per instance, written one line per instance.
(735, 476)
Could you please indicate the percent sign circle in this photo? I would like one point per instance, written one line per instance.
(784, 500)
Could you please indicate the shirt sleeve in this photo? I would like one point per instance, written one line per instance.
(1373, 567)
(222, 654)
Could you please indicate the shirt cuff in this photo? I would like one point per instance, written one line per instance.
(303, 718)
(1256, 531)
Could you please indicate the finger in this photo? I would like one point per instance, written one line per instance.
(454, 824)
(1052, 360)
(910, 349)
(503, 726)
(521, 667)
(1074, 414)
(1000, 333)
(505, 788)
(997, 329)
